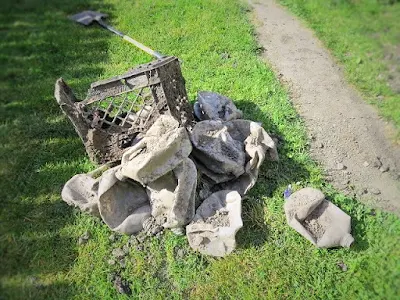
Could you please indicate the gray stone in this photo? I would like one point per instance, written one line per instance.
(112, 238)
(384, 169)
(366, 164)
(342, 266)
(84, 238)
(374, 191)
(340, 166)
(118, 253)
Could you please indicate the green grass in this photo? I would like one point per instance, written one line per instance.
(39, 152)
(362, 35)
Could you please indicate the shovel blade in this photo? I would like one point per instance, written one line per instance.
(87, 17)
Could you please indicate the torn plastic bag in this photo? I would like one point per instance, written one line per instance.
(164, 146)
(217, 154)
(123, 205)
(318, 220)
(173, 195)
(213, 106)
(213, 229)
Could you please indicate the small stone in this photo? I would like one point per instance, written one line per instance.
(180, 253)
(112, 238)
(340, 166)
(111, 262)
(374, 191)
(141, 237)
(121, 286)
(377, 163)
(225, 55)
(140, 247)
(83, 239)
(111, 277)
(320, 145)
(155, 230)
(342, 266)
(384, 169)
(362, 191)
(118, 253)
(366, 164)
(122, 263)
(178, 231)
(125, 248)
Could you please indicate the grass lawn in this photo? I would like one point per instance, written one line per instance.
(364, 36)
(39, 152)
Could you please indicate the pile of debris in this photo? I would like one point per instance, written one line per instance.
(164, 164)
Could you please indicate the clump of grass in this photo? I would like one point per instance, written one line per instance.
(40, 152)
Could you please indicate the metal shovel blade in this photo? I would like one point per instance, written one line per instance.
(87, 17)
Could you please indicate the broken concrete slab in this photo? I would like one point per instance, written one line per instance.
(317, 219)
(214, 226)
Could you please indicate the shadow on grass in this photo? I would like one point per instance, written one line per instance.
(39, 149)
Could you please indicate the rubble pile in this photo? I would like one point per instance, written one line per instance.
(184, 176)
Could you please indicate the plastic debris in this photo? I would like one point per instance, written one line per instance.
(123, 205)
(318, 220)
(173, 195)
(215, 224)
(213, 106)
(287, 192)
(164, 146)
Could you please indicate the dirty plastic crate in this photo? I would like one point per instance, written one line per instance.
(118, 109)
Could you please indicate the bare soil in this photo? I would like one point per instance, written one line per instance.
(347, 136)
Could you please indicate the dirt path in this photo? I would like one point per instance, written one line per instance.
(347, 135)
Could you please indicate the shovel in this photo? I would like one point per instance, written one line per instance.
(87, 17)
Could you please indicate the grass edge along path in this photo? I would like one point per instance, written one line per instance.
(362, 36)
